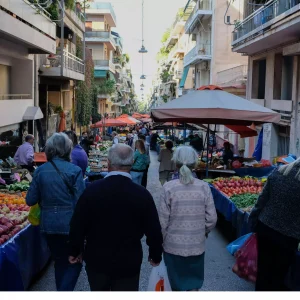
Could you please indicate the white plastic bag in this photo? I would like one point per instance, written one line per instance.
(159, 281)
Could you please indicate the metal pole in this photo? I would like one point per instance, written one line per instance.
(36, 98)
(62, 35)
(206, 173)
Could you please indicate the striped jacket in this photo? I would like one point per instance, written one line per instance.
(187, 213)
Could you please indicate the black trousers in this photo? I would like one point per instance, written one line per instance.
(101, 282)
(145, 178)
(275, 256)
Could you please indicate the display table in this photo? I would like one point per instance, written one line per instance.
(255, 172)
(22, 258)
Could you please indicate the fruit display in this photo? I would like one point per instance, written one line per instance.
(13, 210)
(243, 192)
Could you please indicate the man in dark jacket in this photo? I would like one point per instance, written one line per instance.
(113, 215)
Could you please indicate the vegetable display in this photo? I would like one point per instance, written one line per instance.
(243, 192)
(19, 186)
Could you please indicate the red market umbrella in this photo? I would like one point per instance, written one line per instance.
(127, 120)
(146, 120)
(108, 123)
(207, 106)
(62, 124)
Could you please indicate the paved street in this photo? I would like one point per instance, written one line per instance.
(218, 264)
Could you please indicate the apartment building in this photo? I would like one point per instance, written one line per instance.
(269, 36)
(167, 84)
(26, 30)
(60, 72)
(208, 49)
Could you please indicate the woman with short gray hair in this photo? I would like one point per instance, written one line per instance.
(56, 187)
(187, 214)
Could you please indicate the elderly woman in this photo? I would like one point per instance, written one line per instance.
(166, 165)
(187, 214)
(276, 220)
(56, 187)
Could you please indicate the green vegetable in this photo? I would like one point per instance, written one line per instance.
(244, 200)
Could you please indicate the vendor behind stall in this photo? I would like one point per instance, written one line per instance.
(25, 154)
(227, 153)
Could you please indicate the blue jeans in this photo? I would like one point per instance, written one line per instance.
(137, 177)
(66, 274)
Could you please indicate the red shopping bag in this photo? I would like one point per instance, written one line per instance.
(246, 260)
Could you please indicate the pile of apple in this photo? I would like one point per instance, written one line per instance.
(238, 186)
(13, 218)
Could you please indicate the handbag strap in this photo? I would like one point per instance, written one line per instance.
(71, 190)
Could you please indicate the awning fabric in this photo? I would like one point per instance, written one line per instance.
(243, 131)
(99, 73)
(184, 76)
(33, 113)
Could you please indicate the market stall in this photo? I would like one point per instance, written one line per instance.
(23, 249)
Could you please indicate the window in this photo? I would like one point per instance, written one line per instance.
(287, 78)
(259, 79)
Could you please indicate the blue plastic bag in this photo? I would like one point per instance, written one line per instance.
(237, 244)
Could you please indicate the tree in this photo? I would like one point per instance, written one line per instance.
(166, 35)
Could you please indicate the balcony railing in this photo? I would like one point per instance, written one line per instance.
(257, 21)
(201, 8)
(15, 96)
(104, 63)
(101, 34)
(70, 62)
(178, 74)
(201, 51)
(102, 6)
(232, 75)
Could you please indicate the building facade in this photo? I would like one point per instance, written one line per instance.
(209, 51)
(269, 36)
(26, 30)
(112, 71)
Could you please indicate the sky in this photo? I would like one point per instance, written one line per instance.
(158, 16)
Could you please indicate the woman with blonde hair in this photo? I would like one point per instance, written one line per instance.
(140, 162)
(187, 214)
(276, 221)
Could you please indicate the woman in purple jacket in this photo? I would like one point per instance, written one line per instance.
(78, 155)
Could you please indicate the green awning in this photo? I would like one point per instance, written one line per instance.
(184, 76)
(100, 73)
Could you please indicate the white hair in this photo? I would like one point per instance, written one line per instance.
(285, 170)
(120, 156)
(186, 159)
(58, 145)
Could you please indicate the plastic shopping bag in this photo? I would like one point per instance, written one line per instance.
(246, 260)
(237, 244)
(34, 215)
(159, 281)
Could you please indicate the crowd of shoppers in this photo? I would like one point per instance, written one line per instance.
(103, 225)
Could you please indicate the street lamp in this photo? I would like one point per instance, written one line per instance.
(143, 50)
(143, 77)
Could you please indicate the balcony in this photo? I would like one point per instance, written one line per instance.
(28, 25)
(101, 37)
(197, 54)
(104, 9)
(75, 20)
(233, 76)
(177, 49)
(13, 108)
(203, 10)
(72, 68)
(106, 65)
(117, 63)
(277, 22)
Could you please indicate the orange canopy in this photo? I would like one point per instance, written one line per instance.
(137, 116)
(109, 123)
(127, 120)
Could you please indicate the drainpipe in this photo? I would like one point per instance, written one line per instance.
(36, 97)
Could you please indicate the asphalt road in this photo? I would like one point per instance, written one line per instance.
(218, 262)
